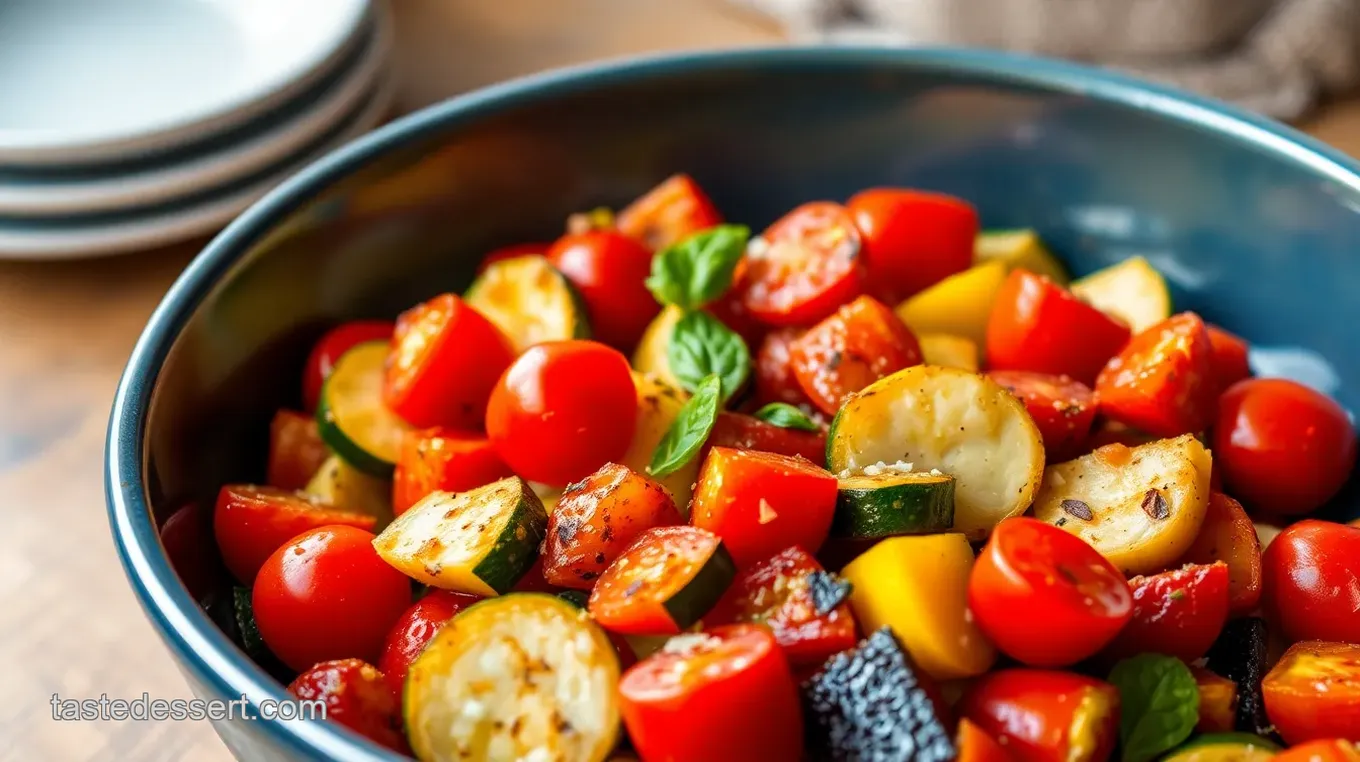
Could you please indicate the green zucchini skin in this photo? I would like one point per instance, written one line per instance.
(892, 504)
(538, 287)
(1230, 747)
(359, 364)
(689, 604)
(515, 550)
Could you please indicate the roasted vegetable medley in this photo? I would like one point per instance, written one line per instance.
(870, 485)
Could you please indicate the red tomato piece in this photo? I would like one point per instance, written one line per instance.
(1313, 692)
(609, 269)
(296, 451)
(774, 379)
(187, 536)
(1038, 325)
(1228, 535)
(976, 746)
(512, 251)
(912, 239)
(1311, 590)
(443, 459)
(1217, 702)
(444, 361)
(760, 503)
(251, 522)
(1035, 714)
(533, 580)
(863, 342)
(632, 595)
(1044, 596)
(731, 310)
(597, 519)
(1285, 449)
(746, 432)
(1230, 357)
(1329, 750)
(721, 696)
(327, 595)
(357, 697)
(562, 410)
(1178, 613)
(414, 630)
(1063, 409)
(1162, 382)
(328, 349)
(668, 213)
(804, 266)
(777, 593)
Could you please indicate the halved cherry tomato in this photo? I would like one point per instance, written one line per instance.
(1311, 590)
(1163, 382)
(804, 266)
(445, 359)
(187, 536)
(415, 629)
(1063, 409)
(1329, 750)
(251, 522)
(863, 342)
(442, 459)
(512, 251)
(976, 746)
(760, 503)
(720, 696)
(774, 377)
(1038, 325)
(357, 697)
(1285, 449)
(912, 239)
(631, 596)
(296, 451)
(597, 519)
(1178, 613)
(778, 594)
(327, 595)
(1230, 357)
(668, 213)
(745, 432)
(328, 349)
(1044, 596)
(1313, 692)
(1228, 535)
(1042, 715)
(1217, 702)
(609, 269)
(562, 410)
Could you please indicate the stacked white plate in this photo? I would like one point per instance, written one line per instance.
(128, 125)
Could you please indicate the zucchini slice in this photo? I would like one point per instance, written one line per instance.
(1019, 249)
(886, 501)
(480, 542)
(1145, 503)
(530, 301)
(1131, 291)
(651, 353)
(343, 486)
(961, 423)
(526, 676)
(351, 416)
(1224, 747)
(659, 404)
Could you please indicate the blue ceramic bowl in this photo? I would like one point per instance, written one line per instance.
(1256, 226)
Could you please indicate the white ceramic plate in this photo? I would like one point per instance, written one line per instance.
(94, 80)
(111, 190)
(134, 232)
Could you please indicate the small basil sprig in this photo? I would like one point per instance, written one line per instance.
(690, 429)
(698, 269)
(1158, 705)
(787, 416)
(701, 345)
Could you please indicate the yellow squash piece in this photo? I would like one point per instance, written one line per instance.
(959, 304)
(1019, 248)
(918, 586)
(1132, 291)
(949, 351)
(651, 353)
(339, 484)
(658, 405)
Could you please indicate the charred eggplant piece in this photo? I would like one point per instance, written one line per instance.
(1239, 654)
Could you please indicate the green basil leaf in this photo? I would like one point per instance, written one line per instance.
(787, 416)
(698, 269)
(1158, 705)
(700, 346)
(690, 429)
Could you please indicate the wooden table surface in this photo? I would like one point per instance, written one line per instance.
(68, 621)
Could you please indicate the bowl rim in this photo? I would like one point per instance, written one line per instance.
(199, 647)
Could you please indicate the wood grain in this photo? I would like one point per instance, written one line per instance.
(68, 621)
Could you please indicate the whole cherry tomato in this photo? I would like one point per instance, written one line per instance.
(1044, 596)
(1038, 325)
(251, 522)
(415, 629)
(328, 349)
(1285, 449)
(356, 697)
(1231, 363)
(1178, 613)
(187, 536)
(1063, 409)
(562, 410)
(912, 239)
(609, 269)
(668, 213)
(327, 595)
(803, 266)
(1041, 715)
(1310, 586)
(1163, 381)
(1313, 692)
(861, 343)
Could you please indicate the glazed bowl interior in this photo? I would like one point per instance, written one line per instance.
(1256, 228)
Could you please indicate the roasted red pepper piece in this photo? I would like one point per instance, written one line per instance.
(1228, 535)
(668, 213)
(861, 343)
